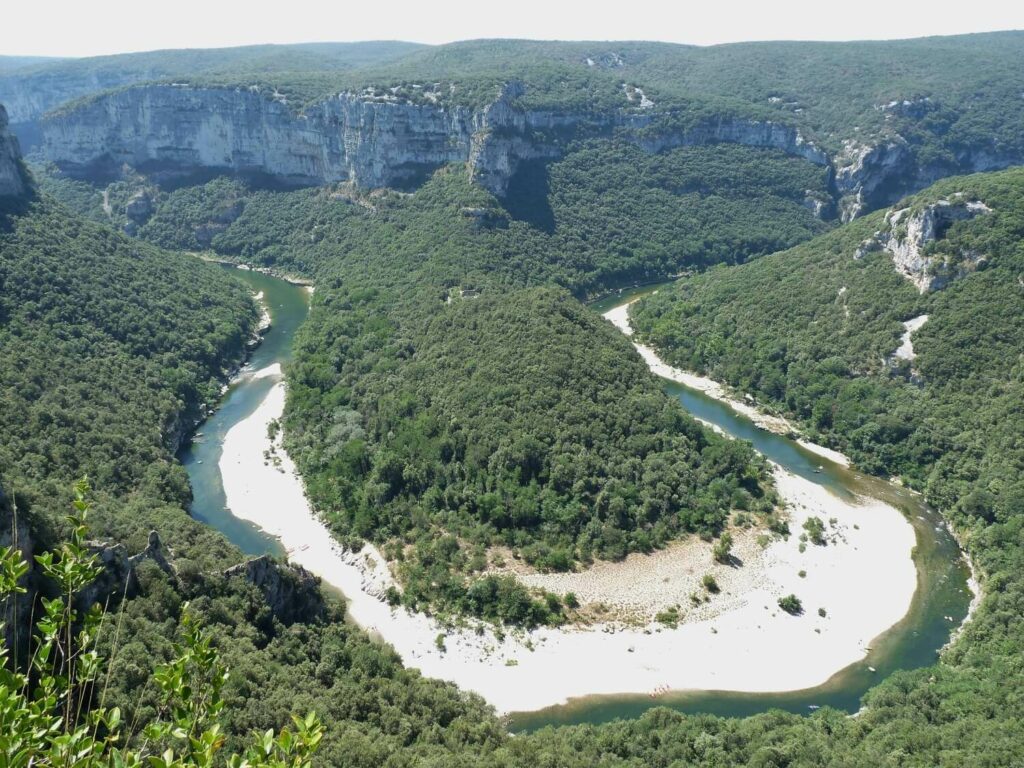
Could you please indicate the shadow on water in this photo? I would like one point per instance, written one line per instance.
(288, 305)
(940, 603)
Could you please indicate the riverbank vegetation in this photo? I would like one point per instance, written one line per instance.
(966, 709)
(415, 424)
(111, 349)
(813, 331)
(411, 421)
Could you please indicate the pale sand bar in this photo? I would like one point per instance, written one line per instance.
(619, 317)
(865, 580)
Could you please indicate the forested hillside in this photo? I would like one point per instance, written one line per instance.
(412, 423)
(109, 345)
(606, 215)
(814, 331)
(966, 710)
(111, 349)
(449, 391)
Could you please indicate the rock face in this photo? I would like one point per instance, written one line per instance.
(373, 139)
(868, 177)
(29, 97)
(12, 180)
(118, 577)
(292, 593)
(908, 234)
(368, 141)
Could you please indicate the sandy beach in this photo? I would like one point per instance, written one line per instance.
(863, 577)
(619, 317)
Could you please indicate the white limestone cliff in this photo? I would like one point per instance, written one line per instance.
(12, 180)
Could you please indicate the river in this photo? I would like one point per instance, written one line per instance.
(940, 603)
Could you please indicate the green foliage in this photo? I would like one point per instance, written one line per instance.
(815, 530)
(109, 349)
(777, 327)
(49, 714)
(791, 604)
(191, 217)
(413, 425)
(722, 551)
(669, 617)
(813, 332)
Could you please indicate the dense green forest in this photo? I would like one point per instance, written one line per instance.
(444, 317)
(813, 331)
(110, 349)
(413, 425)
(605, 215)
(108, 345)
(966, 710)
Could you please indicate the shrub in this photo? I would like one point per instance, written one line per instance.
(710, 584)
(791, 604)
(669, 617)
(44, 720)
(815, 530)
(722, 551)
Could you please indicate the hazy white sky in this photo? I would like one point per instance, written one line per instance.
(90, 27)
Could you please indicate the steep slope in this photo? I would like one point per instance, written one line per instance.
(108, 347)
(898, 338)
(372, 141)
(916, 111)
(12, 174)
(415, 425)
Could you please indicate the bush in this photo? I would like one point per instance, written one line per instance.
(669, 617)
(41, 720)
(791, 604)
(710, 584)
(815, 530)
(723, 549)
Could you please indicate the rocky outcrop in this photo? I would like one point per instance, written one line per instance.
(12, 178)
(374, 139)
(27, 97)
(908, 234)
(725, 130)
(365, 140)
(867, 176)
(292, 593)
(118, 577)
(871, 176)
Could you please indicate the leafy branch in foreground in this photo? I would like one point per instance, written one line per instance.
(48, 713)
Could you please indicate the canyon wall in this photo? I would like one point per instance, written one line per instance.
(12, 180)
(370, 142)
(374, 140)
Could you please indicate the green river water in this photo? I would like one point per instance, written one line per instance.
(940, 604)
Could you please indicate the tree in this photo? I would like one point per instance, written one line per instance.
(49, 714)
(815, 530)
(791, 604)
(723, 548)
